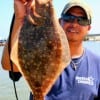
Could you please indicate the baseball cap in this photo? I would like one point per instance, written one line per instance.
(78, 3)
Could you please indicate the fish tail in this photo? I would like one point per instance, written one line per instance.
(38, 96)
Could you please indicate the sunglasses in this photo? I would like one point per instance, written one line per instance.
(80, 19)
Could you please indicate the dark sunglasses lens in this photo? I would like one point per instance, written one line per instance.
(68, 18)
(83, 21)
(71, 18)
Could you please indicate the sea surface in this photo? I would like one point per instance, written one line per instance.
(6, 85)
(7, 88)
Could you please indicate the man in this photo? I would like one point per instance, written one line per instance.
(81, 79)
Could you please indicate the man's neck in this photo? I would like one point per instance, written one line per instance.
(76, 49)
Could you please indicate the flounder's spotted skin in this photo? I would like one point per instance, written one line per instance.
(42, 52)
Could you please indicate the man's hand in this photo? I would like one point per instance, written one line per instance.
(21, 6)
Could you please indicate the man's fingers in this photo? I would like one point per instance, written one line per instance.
(19, 8)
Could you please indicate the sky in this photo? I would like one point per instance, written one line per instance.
(6, 12)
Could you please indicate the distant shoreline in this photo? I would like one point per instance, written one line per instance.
(2, 42)
(89, 37)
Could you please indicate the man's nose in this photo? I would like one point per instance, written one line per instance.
(75, 21)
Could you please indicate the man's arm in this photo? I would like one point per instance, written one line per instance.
(17, 22)
(5, 61)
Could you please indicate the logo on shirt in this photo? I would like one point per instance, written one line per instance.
(85, 80)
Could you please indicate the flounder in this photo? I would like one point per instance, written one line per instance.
(41, 50)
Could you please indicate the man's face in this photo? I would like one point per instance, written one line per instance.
(74, 30)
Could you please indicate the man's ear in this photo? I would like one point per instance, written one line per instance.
(60, 20)
(89, 27)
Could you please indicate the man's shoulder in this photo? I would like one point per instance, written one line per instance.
(92, 55)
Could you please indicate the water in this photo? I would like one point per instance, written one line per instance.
(6, 85)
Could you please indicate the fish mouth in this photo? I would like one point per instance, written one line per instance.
(42, 2)
(33, 13)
